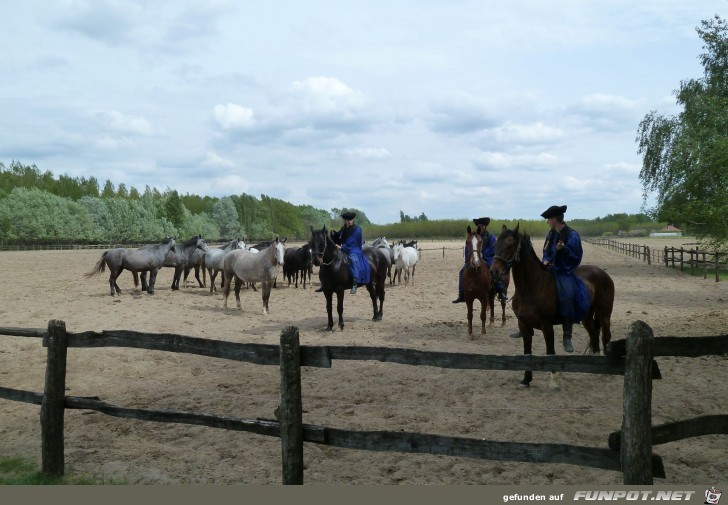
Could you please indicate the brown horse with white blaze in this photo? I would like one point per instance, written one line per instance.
(476, 283)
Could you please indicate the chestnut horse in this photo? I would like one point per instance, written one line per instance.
(536, 300)
(476, 283)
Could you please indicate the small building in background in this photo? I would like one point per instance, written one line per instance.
(667, 231)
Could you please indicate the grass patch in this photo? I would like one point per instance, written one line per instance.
(17, 471)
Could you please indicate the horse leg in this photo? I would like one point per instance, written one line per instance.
(373, 296)
(112, 281)
(592, 328)
(152, 280)
(329, 310)
(605, 322)
(484, 314)
(491, 305)
(527, 334)
(197, 276)
(266, 296)
(177, 276)
(225, 294)
(340, 307)
(469, 305)
(143, 276)
(213, 275)
(238, 285)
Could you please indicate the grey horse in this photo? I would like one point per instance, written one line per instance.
(148, 258)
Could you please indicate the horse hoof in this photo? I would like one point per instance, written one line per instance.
(329, 328)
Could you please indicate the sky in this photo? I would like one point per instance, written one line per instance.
(456, 109)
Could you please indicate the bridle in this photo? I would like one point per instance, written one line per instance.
(322, 253)
(515, 258)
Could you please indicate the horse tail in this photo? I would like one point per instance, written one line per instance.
(100, 267)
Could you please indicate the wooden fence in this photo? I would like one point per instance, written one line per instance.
(629, 451)
(693, 259)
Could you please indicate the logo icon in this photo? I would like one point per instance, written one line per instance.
(712, 496)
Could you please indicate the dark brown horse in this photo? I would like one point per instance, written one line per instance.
(476, 283)
(335, 277)
(536, 300)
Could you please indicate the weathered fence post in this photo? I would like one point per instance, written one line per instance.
(54, 399)
(636, 447)
(648, 255)
(717, 270)
(290, 412)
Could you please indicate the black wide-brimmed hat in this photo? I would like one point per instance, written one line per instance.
(348, 216)
(485, 221)
(554, 211)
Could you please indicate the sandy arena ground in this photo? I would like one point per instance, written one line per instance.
(36, 286)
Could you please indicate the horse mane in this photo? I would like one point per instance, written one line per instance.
(192, 241)
(527, 247)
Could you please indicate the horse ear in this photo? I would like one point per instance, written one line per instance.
(515, 230)
(469, 230)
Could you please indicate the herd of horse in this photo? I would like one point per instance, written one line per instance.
(534, 302)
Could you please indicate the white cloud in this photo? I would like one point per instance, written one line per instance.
(368, 153)
(504, 161)
(124, 123)
(232, 116)
(215, 160)
(531, 134)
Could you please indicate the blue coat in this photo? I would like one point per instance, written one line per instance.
(573, 294)
(351, 241)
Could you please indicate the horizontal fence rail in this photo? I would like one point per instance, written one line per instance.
(293, 432)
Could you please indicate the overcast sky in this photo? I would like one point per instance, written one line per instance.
(454, 108)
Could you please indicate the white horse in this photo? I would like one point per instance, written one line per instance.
(245, 266)
(404, 259)
(214, 258)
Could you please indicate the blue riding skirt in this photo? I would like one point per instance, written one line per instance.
(573, 297)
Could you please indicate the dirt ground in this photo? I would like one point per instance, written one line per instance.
(36, 286)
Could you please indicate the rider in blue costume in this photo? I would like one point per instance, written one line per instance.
(488, 253)
(350, 240)
(562, 252)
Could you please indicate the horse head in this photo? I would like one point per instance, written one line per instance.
(475, 258)
(280, 250)
(318, 244)
(170, 243)
(397, 250)
(507, 252)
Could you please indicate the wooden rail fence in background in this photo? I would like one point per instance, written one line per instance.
(629, 451)
(673, 257)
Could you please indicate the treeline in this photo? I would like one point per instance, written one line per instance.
(38, 208)
(613, 224)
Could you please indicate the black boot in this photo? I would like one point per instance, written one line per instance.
(567, 325)
(459, 299)
(319, 289)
